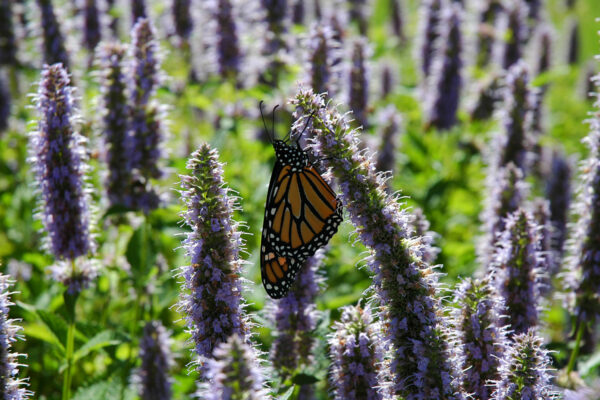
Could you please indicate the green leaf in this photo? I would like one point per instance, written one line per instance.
(287, 394)
(57, 325)
(141, 253)
(304, 379)
(42, 332)
(101, 340)
(107, 390)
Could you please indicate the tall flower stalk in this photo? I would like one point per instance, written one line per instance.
(8, 41)
(481, 336)
(226, 40)
(414, 329)
(182, 18)
(60, 165)
(11, 387)
(153, 377)
(115, 123)
(514, 31)
(322, 48)
(519, 264)
(356, 354)
(358, 94)
(92, 33)
(234, 373)
(558, 193)
(212, 299)
(389, 123)
(486, 32)
(147, 119)
(54, 50)
(525, 370)
(445, 80)
(429, 32)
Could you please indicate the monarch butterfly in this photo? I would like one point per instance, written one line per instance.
(302, 213)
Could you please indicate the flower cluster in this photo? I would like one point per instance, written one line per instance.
(322, 49)
(54, 42)
(519, 264)
(115, 123)
(92, 33)
(147, 123)
(445, 80)
(212, 299)
(60, 164)
(138, 10)
(490, 94)
(358, 86)
(558, 193)
(390, 121)
(12, 387)
(422, 246)
(573, 53)
(296, 318)
(429, 32)
(397, 16)
(524, 370)
(5, 104)
(182, 18)
(481, 336)
(8, 41)
(226, 42)
(514, 142)
(356, 354)
(414, 328)
(486, 35)
(359, 14)
(540, 209)
(514, 30)
(152, 377)
(234, 372)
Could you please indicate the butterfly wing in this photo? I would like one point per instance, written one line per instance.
(302, 213)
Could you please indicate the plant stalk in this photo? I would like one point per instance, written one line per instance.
(575, 352)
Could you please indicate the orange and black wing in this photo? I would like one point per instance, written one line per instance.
(302, 213)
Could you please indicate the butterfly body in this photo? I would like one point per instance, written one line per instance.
(302, 213)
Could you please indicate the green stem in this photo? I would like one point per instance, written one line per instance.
(575, 352)
(70, 301)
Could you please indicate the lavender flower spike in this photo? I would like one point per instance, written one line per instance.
(153, 377)
(115, 123)
(356, 353)
(514, 30)
(8, 42)
(54, 42)
(358, 96)
(428, 32)
(515, 142)
(92, 30)
(212, 299)
(296, 318)
(558, 193)
(519, 265)
(234, 373)
(525, 371)
(147, 127)
(11, 387)
(584, 249)
(322, 49)
(389, 121)
(138, 10)
(414, 328)
(182, 18)
(488, 14)
(60, 164)
(481, 336)
(5, 104)
(445, 80)
(226, 42)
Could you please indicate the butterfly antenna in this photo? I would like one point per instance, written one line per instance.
(260, 106)
(273, 122)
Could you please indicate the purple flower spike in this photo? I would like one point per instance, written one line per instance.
(519, 265)
(322, 51)
(356, 355)
(296, 318)
(525, 371)
(545, 44)
(182, 18)
(5, 104)
(212, 302)
(138, 10)
(389, 121)
(515, 142)
(445, 80)
(481, 336)
(226, 42)
(584, 246)
(573, 53)
(12, 387)
(358, 95)
(234, 373)
(359, 14)
(423, 246)
(8, 41)
(115, 123)
(397, 18)
(540, 209)
(91, 30)
(298, 12)
(54, 42)
(490, 94)
(507, 193)
(513, 28)
(152, 378)
(486, 32)
(60, 164)
(415, 329)
(430, 14)
(558, 193)
(147, 116)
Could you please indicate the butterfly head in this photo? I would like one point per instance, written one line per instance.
(290, 154)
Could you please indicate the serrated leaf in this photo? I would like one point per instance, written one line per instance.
(304, 379)
(55, 323)
(42, 332)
